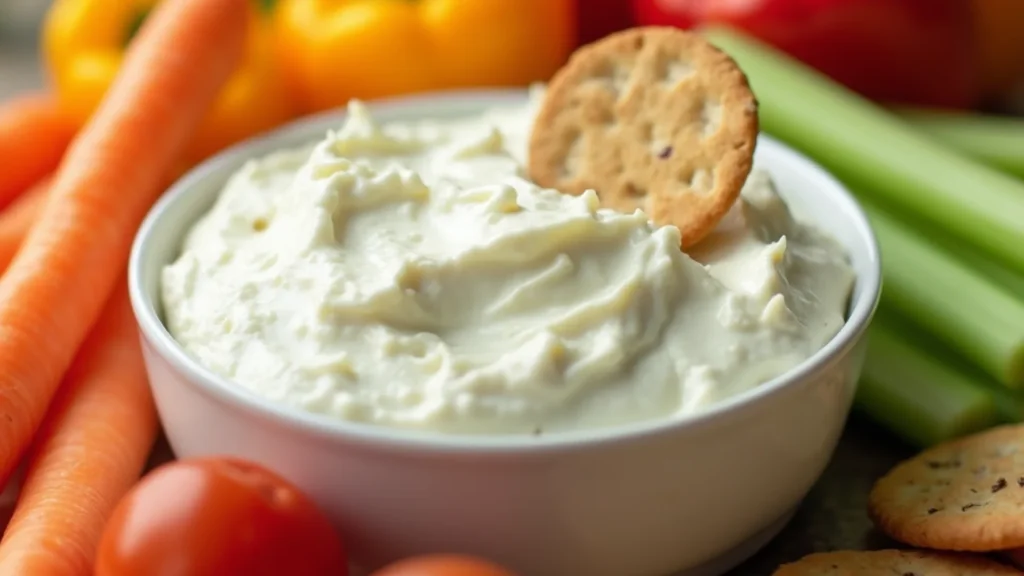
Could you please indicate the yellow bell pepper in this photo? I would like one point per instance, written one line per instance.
(84, 43)
(335, 50)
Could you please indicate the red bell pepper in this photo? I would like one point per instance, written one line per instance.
(599, 18)
(897, 51)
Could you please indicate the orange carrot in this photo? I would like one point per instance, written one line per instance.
(90, 450)
(34, 133)
(18, 218)
(54, 289)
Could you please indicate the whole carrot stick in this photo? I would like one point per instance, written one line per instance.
(89, 452)
(55, 287)
(18, 218)
(34, 133)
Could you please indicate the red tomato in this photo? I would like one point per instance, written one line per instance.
(218, 517)
(443, 565)
(906, 51)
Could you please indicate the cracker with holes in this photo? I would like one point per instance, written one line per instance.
(652, 118)
(966, 494)
(899, 562)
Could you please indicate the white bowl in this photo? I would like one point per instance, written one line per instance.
(693, 496)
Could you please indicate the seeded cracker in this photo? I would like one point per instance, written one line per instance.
(894, 562)
(966, 494)
(653, 118)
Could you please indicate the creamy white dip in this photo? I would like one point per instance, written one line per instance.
(409, 275)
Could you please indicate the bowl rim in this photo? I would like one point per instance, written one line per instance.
(221, 389)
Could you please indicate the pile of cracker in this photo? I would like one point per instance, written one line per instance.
(657, 119)
(960, 504)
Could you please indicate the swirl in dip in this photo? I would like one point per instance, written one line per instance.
(409, 275)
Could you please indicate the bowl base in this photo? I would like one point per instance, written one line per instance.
(720, 565)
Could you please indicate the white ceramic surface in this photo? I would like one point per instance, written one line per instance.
(647, 500)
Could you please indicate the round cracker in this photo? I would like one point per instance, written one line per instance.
(966, 494)
(654, 118)
(898, 562)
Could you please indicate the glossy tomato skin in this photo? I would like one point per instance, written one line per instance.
(907, 51)
(443, 565)
(218, 517)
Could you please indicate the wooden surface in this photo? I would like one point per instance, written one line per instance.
(832, 517)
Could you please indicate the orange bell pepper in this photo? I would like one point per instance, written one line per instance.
(84, 43)
(335, 51)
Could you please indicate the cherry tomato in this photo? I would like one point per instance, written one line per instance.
(218, 517)
(443, 565)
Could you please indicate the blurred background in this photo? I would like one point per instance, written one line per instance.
(19, 38)
(953, 53)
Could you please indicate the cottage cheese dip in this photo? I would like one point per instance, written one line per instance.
(409, 275)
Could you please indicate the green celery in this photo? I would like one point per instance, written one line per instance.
(1009, 279)
(969, 312)
(873, 149)
(995, 140)
(1009, 402)
(916, 395)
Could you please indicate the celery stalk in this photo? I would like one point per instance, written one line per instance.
(873, 149)
(1009, 402)
(995, 140)
(917, 396)
(969, 312)
(1009, 279)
